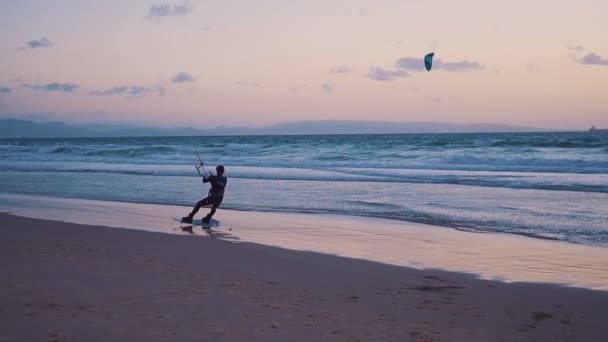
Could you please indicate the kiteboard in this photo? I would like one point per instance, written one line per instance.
(199, 222)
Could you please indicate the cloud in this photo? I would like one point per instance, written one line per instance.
(39, 43)
(112, 91)
(182, 77)
(436, 100)
(328, 87)
(130, 91)
(213, 29)
(462, 66)
(533, 68)
(63, 87)
(164, 11)
(592, 59)
(411, 63)
(342, 69)
(298, 88)
(5, 90)
(380, 74)
(575, 47)
(417, 64)
(247, 84)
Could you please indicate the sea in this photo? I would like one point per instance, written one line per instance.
(541, 185)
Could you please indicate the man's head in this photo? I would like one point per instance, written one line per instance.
(220, 169)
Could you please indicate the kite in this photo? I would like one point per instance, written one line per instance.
(428, 61)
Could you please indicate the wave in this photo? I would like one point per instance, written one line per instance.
(579, 153)
(373, 204)
(61, 150)
(163, 155)
(597, 239)
(119, 152)
(589, 141)
(333, 158)
(597, 183)
(506, 231)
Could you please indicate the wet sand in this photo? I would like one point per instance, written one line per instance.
(490, 256)
(70, 282)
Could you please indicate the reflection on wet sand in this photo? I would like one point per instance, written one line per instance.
(491, 256)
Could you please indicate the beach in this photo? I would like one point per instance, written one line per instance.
(72, 282)
(432, 237)
(303, 171)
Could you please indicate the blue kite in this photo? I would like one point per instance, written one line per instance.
(428, 61)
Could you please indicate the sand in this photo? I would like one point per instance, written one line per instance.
(492, 256)
(70, 282)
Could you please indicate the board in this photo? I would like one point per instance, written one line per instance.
(199, 222)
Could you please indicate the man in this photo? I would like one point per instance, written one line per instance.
(214, 198)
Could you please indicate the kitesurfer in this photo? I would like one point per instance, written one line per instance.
(214, 198)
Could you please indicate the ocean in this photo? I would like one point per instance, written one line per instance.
(542, 185)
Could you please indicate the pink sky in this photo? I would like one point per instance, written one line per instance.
(206, 63)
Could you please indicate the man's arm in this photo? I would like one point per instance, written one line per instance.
(208, 179)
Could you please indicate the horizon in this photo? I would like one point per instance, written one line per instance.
(234, 63)
(59, 129)
(280, 123)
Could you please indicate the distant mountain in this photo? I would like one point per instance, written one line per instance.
(378, 127)
(15, 128)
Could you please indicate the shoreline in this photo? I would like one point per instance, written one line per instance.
(504, 257)
(66, 282)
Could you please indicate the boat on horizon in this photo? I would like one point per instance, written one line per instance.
(598, 130)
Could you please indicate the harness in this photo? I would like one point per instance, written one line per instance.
(214, 181)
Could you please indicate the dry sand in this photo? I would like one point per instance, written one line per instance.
(69, 282)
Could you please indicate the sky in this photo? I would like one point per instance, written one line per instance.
(253, 63)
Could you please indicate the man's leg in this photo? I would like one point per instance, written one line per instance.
(216, 203)
(207, 218)
(204, 202)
